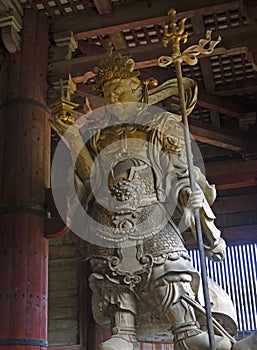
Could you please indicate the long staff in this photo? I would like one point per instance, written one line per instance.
(174, 33)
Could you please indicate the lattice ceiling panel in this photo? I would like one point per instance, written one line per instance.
(202, 114)
(143, 36)
(223, 20)
(150, 34)
(55, 8)
(58, 7)
(232, 69)
(99, 40)
(194, 72)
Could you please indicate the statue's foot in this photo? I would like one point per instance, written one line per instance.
(201, 341)
(117, 343)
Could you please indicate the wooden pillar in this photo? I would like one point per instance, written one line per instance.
(25, 173)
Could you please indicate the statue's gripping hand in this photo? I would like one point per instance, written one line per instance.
(190, 201)
(195, 199)
(215, 248)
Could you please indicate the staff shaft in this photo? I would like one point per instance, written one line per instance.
(198, 228)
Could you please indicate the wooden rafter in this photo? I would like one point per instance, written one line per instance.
(103, 7)
(237, 88)
(229, 106)
(217, 136)
(206, 68)
(118, 41)
(232, 174)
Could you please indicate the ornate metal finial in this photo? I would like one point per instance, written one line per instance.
(174, 33)
(113, 66)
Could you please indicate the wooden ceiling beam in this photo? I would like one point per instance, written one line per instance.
(229, 106)
(239, 88)
(142, 13)
(118, 41)
(217, 136)
(235, 204)
(233, 174)
(242, 33)
(103, 7)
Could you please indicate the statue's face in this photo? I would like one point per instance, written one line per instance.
(119, 91)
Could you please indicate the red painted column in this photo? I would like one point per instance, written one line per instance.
(24, 165)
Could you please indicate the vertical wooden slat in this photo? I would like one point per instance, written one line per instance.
(83, 305)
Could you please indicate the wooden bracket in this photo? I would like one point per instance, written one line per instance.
(11, 24)
(66, 41)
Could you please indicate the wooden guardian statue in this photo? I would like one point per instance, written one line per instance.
(144, 285)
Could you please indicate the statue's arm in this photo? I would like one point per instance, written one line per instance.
(202, 199)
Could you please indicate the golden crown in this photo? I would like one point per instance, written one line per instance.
(113, 66)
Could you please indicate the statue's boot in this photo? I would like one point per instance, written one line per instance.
(124, 333)
(186, 331)
(190, 337)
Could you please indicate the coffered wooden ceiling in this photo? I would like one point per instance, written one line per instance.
(224, 120)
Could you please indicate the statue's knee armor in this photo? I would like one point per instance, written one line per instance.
(168, 290)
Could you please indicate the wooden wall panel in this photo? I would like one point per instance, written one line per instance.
(63, 303)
